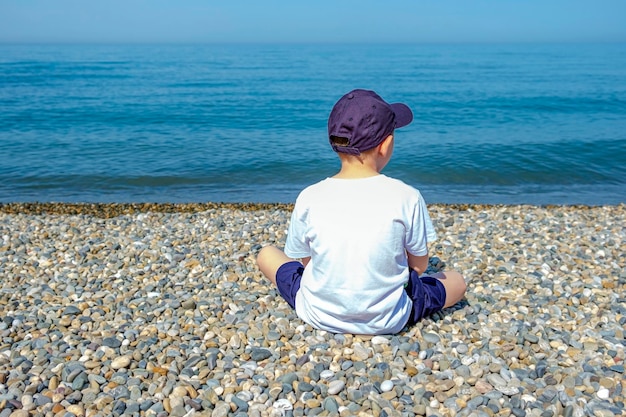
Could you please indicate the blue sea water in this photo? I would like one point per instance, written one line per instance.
(494, 123)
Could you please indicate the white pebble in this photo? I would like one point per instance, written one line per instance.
(283, 404)
(603, 394)
(380, 340)
(386, 386)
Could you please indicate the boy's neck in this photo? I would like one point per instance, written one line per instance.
(354, 167)
(367, 164)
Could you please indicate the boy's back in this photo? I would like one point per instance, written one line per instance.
(357, 232)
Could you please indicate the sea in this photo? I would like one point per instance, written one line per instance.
(537, 124)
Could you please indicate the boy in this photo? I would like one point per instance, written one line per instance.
(360, 235)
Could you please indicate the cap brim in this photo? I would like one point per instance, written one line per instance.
(403, 113)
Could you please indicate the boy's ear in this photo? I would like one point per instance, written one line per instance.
(385, 144)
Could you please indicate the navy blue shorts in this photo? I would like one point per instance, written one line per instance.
(427, 293)
(288, 279)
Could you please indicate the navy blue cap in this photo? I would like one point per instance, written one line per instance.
(365, 120)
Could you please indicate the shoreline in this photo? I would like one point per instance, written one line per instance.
(160, 310)
(107, 210)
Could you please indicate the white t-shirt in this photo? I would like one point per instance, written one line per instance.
(357, 233)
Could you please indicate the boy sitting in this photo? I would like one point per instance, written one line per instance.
(360, 236)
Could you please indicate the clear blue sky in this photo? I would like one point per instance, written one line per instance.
(312, 21)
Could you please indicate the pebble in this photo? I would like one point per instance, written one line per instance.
(336, 386)
(431, 337)
(120, 362)
(160, 309)
(386, 386)
(603, 394)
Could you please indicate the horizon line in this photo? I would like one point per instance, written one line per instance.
(319, 42)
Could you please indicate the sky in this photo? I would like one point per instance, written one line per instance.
(299, 21)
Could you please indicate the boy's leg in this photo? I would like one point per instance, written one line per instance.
(269, 259)
(430, 293)
(284, 272)
(454, 284)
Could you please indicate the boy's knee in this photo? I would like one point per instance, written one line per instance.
(463, 284)
(460, 282)
(269, 259)
(455, 287)
(263, 254)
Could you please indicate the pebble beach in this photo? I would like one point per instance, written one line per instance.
(160, 310)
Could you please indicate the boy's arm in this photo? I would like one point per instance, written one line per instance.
(305, 261)
(418, 263)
